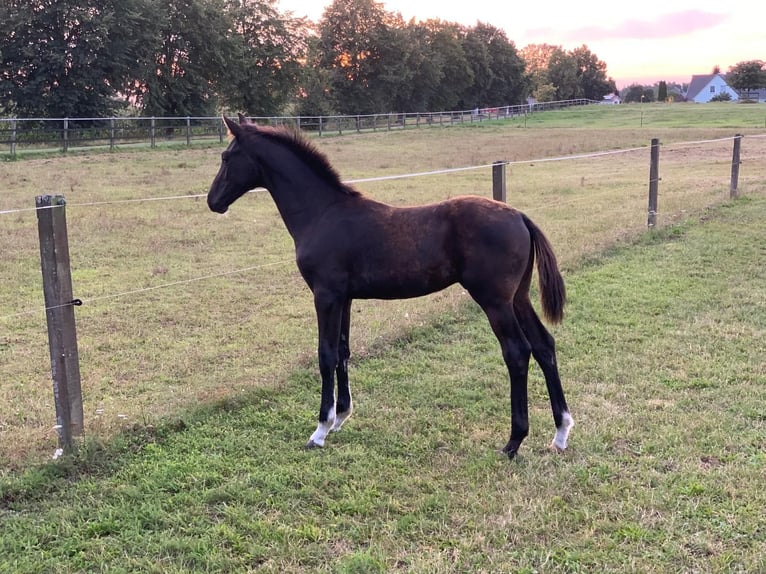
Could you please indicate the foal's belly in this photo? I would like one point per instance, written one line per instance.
(402, 279)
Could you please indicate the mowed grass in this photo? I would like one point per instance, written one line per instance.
(163, 329)
(661, 354)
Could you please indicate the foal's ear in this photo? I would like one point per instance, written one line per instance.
(243, 119)
(232, 126)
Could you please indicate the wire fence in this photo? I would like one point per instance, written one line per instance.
(270, 272)
(68, 134)
(557, 203)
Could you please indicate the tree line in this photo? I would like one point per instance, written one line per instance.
(97, 58)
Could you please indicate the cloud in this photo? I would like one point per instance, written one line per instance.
(664, 26)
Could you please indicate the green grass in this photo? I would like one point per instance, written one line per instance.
(148, 355)
(661, 357)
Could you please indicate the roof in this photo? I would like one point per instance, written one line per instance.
(699, 83)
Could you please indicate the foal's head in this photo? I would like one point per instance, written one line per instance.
(238, 174)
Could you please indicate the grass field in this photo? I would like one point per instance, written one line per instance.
(147, 355)
(661, 354)
(200, 388)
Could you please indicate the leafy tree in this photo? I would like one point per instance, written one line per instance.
(264, 65)
(510, 83)
(591, 75)
(499, 77)
(314, 85)
(562, 73)
(537, 58)
(349, 48)
(747, 76)
(444, 74)
(66, 58)
(189, 59)
(636, 93)
(477, 54)
(545, 93)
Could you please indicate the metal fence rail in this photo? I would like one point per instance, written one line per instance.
(65, 134)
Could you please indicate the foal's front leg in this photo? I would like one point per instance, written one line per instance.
(343, 405)
(329, 315)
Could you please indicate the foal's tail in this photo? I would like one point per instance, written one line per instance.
(552, 291)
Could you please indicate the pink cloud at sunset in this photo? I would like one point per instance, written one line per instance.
(663, 26)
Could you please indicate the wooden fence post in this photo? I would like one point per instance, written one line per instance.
(65, 136)
(59, 311)
(13, 137)
(498, 181)
(654, 182)
(152, 133)
(111, 134)
(733, 188)
(188, 130)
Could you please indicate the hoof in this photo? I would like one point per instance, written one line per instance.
(510, 453)
(312, 444)
(553, 447)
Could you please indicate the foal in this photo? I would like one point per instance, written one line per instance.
(349, 246)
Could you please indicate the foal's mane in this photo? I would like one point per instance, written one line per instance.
(306, 151)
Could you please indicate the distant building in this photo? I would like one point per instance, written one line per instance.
(758, 95)
(611, 99)
(704, 88)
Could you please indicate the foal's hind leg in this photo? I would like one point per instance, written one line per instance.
(343, 405)
(544, 352)
(516, 353)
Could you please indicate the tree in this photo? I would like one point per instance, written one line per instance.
(591, 75)
(314, 85)
(261, 74)
(537, 57)
(66, 58)
(444, 74)
(189, 59)
(499, 76)
(636, 93)
(562, 73)
(349, 48)
(746, 76)
(509, 81)
(662, 91)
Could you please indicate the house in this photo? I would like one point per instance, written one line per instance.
(758, 95)
(704, 88)
(611, 99)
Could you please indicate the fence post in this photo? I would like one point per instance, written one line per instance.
(59, 311)
(188, 131)
(320, 126)
(654, 182)
(152, 133)
(13, 137)
(65, 136)
(498, 181)
(111, 134)
(733, 189)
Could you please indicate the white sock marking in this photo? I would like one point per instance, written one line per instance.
(562, 432)
(343, 417)
(323, 429)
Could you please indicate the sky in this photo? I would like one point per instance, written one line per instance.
(641, 41)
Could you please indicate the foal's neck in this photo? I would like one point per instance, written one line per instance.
(299, 193)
